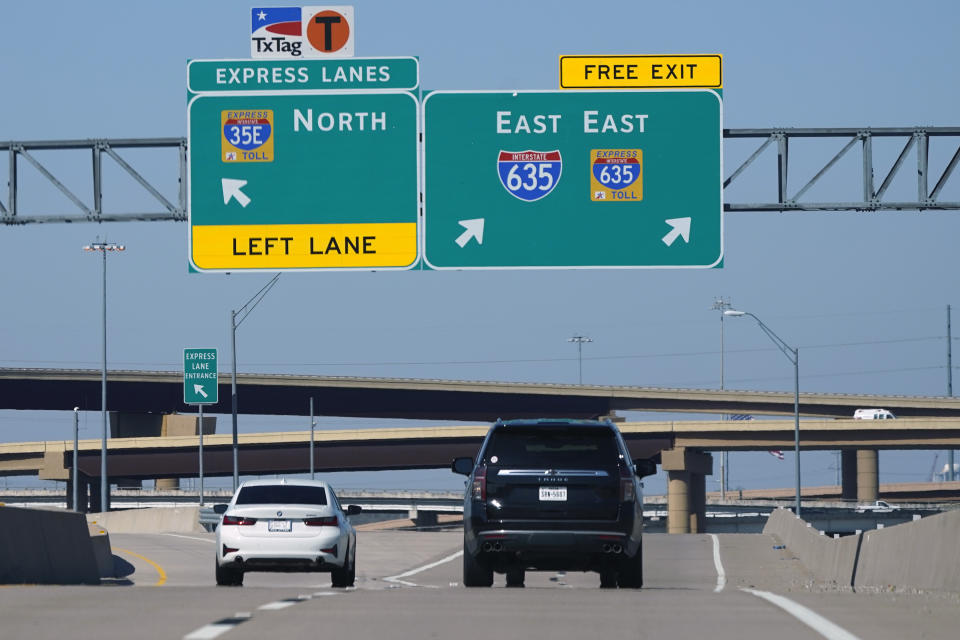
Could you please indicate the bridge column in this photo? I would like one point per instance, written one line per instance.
(848, 474)
(868, 476)
(82, 501)
(686, 489)
(95, 506)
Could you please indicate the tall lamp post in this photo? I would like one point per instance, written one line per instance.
(794, 356)
(236, 317)
(722, 305)
(579, 340)
(103, 248)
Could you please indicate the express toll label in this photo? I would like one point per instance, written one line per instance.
(246, 135)
(616, 175)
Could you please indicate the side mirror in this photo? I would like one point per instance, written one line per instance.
(644, 467)
(220, 508)
(353, 509)
(463, 466)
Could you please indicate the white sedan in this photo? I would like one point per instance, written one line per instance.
(285, 525)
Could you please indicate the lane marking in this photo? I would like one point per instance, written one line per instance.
(721, 574)
(160, 571)
(177, 535)
(218, 628)
(283, 604)
(398, 579)
(807, 616)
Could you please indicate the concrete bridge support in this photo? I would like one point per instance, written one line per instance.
(868, 475)
(687, 472)
(848, 474)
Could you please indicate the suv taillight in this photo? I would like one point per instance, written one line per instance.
(626, 485)
(321, 522)
(239, 521)
(480, 483)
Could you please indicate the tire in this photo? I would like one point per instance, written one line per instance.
(345, 576)
(227, 577)
(608, 579)
(631, 571)
(475, 574)
(515, 578)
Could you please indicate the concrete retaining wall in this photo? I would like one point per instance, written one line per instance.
(151, 520)
(45, 547)
(924, 554)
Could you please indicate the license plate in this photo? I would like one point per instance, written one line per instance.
(553, 493)
(280, 525)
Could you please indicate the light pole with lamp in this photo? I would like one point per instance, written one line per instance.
(579, 340)
(242, 313)
(722, 305)
(103, 248)
(794, 356)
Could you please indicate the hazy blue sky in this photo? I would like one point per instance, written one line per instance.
(863, 295)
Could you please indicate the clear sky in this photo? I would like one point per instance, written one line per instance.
(863, 295)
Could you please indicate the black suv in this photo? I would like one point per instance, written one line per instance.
(553, 495)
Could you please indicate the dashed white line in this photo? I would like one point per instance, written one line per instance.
(177, 535)
(807, 616)
(398, 579)
(721, 574)
(279, 604)
(218, 628)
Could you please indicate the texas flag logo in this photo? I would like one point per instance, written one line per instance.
(276, 32)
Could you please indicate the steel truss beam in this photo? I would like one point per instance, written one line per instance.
(92, 212)
(872, 198)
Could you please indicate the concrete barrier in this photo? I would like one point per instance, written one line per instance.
(923, 554)
(45, 547)
(150, 520)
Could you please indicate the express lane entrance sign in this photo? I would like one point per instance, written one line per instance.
(200, 382)
(302, 179)
(572, 179)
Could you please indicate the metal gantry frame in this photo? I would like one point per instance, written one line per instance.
(915, 139)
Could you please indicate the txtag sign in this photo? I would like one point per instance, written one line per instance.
(200, 376)
(302, 32)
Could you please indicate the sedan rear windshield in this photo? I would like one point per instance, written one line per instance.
(282, 494)
(552, 448)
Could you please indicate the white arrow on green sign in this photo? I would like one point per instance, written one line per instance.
(200, 380)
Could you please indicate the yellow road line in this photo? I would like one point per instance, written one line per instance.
(160, 571)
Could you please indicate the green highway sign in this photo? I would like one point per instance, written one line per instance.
(572, 179)
(303, 180)
(199, 376)
(397, 74)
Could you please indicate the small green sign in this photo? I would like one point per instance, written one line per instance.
(572, 179)
(397, 74)
(200, 376)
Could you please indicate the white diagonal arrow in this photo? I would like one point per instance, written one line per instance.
(198, 388)
(681, 229)
(474, 229)
(231, 189)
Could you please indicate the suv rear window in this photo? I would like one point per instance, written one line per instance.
(282, 494)
(553, 447)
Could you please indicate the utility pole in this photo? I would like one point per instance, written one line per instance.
(950, 459)
(579, 340)
(721, 304)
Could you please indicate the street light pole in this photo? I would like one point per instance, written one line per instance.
(794, 356)
(76, 443)
(722, 305)
(103, 248)
(242, 313)
(579, 340)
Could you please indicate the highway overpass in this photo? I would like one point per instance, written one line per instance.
(276, 394)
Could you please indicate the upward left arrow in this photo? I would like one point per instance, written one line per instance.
(231, 189)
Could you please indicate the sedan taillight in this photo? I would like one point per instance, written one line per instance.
(321, 522)
(480, 483)
(239, 520)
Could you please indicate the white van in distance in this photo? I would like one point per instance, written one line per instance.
(873, 414)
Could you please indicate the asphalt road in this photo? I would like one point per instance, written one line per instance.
(408, 586)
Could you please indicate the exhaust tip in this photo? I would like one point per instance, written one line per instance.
(487, 546)
(616, 548)
(606, 548)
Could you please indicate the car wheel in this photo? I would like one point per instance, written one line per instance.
(608, 579)
(475, 574)
(631, 571)
(343, 577)
(515, 577)
(227, 577)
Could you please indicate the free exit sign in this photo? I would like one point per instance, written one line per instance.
(200, 376)
(573, 179)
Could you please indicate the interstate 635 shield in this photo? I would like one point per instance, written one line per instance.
(529, 175)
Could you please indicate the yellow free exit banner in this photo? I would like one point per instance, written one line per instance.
(305, 246)
(702, 71)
